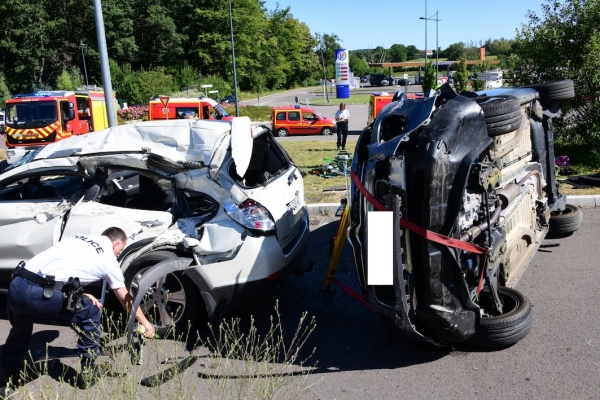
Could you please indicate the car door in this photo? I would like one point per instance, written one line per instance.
(32, 207)
(310, 123)
(295, 123)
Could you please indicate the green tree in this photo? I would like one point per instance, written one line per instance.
(461, 76)
(4, 92)
(412, 52)
(358, 66)
(565, 43)
(476, 84)
(455, 51)
(429, 81)
(69, 80)
(397, 53)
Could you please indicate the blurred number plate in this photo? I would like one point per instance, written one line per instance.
(294, 205)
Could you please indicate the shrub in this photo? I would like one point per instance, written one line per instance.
(134, 113)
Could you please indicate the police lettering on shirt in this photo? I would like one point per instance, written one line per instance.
(90, 241)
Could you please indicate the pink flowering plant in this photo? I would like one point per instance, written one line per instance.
(134, 113)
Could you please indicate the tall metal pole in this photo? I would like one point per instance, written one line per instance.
(84, 67)
(104, 67)
(235, 88)
(324, 73)
(425, 33)
(437, 49)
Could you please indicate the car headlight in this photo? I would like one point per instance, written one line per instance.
(252, 215)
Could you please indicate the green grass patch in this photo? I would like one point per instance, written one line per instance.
(311, 156)
(583, 160)
(256, 113)
(354, 99)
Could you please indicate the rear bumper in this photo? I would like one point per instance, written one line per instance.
(266, 265)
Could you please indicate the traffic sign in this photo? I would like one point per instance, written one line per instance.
(164, 100)
(165, 110)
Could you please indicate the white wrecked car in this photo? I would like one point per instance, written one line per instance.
(222, 196)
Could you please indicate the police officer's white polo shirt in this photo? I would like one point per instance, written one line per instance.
(86, 257)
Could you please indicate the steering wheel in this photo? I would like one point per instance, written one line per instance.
(36, 190)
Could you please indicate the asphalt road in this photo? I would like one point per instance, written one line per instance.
(358, 357)
(358, 112)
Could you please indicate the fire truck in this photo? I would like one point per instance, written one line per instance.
(43, 117)
(378, 100)
(178, 108)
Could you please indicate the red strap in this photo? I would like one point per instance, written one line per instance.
(429, 235)
(352, 293)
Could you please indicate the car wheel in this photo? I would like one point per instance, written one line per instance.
(172, 302)
(566, 222)
(502, 113)
(327, 132)
(552, 92)
(282, 132)
(508, 328)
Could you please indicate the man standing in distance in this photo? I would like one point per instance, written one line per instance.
(341, 117)
(51, 285)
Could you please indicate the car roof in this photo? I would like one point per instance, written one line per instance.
(177, 140)
(293, 108)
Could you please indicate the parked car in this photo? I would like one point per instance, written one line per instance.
(220, 199)
(299, 120)
(378, 80)
(228, 99)
(405, 82)
(470, 179)
(365, 78)
(1, 122)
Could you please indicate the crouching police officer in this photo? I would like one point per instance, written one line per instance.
(51, 286)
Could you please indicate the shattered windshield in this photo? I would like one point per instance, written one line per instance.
(35, 114)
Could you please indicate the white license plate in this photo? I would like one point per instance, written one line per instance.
(294, 205)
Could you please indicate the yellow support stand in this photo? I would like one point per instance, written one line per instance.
(338, 246)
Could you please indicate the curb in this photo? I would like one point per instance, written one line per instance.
(329, 209)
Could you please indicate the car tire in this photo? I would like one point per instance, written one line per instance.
(502, 113)
(551, 92)
(327, 131)
(566, 222)
(506, 329)
(281, 132)
(183, 311)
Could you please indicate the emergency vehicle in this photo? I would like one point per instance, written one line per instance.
(44, 117)
(203, 108)
(378, 100)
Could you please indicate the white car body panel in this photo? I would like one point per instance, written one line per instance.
(91, 217)
(33, 225)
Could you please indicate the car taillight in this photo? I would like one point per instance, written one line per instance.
(252, 215)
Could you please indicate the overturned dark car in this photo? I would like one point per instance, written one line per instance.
(471, 183)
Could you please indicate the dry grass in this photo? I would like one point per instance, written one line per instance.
(312, 155)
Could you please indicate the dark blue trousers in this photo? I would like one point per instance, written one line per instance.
(25, 303)
(342, 134)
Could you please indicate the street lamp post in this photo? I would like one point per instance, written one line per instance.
(437, 49)
(237, 112)
(84, 67)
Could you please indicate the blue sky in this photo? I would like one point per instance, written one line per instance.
(372, 23)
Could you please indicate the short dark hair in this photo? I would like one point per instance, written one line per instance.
(115, 233)
(342, 105)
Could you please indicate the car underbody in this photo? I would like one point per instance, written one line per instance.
(476, 170)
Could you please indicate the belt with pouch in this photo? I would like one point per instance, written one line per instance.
(48, 283)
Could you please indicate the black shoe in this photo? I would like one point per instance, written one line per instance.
(88, 377)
